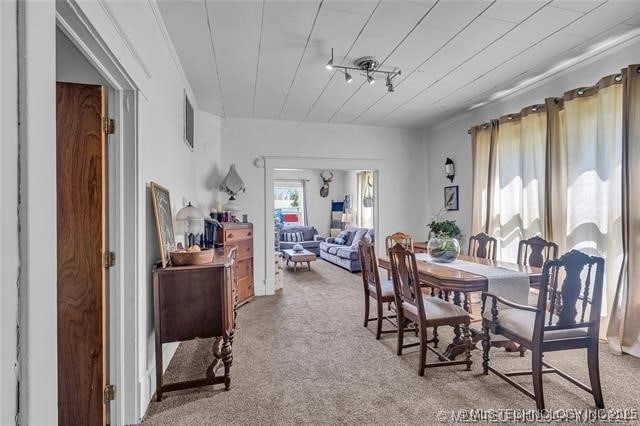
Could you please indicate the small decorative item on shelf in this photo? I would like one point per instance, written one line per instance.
(443, 246)
(297, 248)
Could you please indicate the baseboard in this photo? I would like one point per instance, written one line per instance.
(147, 384)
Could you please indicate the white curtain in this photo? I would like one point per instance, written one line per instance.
(593, 144)
(482, 141)
(517, 204)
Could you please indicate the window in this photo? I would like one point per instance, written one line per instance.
(364, 217)
(289, 204)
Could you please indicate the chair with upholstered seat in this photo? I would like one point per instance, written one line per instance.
(375, 288)
(534, 252)
(482, 245)
(412, 305)
(566, 317)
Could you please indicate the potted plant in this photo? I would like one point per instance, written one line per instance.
(443, 246)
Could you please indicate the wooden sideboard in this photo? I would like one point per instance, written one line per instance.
(241, 236)
(195, 302)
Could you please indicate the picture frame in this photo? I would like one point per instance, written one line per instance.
(451, 198)
(161, 200)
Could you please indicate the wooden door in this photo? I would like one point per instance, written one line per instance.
(81, 225)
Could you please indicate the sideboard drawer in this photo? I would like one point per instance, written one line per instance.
(244, 268)
(245, 249)
(236, 234)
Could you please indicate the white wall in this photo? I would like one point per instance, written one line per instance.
(72, 66)
(399, 155)
(133, 33)
(8, 214)
(208, 161)
(452, 140)
(318, 208)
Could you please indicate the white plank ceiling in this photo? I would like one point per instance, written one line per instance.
(265, 58)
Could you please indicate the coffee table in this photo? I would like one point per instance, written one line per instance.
(299, 257)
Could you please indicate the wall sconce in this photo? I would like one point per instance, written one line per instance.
(449, 169)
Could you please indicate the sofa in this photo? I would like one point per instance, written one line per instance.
(310, 239)
(344, 251)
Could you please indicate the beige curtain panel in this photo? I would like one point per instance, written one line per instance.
(624, 328)
(564, 170)
(482, 143)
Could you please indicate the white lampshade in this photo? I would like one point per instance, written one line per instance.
(190, 220)
(232, 184)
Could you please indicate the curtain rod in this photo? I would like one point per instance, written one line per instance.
(580, 91)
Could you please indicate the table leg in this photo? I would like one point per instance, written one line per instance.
(217, 357)
(295, 266)
(227, 360)
(457, 347)
(309, 265)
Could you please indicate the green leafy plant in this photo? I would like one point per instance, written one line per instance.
(294, 196)
(445, 228)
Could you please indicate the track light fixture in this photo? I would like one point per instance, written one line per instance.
(368, 66)
(329, 65)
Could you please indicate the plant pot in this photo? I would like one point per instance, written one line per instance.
(443, 249)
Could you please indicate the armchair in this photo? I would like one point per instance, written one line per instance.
(565, 318)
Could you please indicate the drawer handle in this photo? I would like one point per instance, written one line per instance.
(249, 234)
(230, 236)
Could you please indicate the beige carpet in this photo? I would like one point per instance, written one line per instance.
(303, 356)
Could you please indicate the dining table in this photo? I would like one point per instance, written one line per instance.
(456, 286)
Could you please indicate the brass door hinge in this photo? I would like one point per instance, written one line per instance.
(109, 393)
(108, 259)
(108, 125)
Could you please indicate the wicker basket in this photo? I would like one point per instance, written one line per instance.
(186, 258)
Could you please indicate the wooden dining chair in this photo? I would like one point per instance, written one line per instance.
(424, 311)
(482, 245)
(399, 238)
(379, 290)
(566, 317)
(535, 251)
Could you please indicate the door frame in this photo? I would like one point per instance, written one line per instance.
(122, 237)
(270, 163)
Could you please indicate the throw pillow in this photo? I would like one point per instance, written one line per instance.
(343, 237)
(358, 236)
(293, 237)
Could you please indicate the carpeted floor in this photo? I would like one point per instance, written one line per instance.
(303, 356)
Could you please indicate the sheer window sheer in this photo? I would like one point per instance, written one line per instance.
(517, 208)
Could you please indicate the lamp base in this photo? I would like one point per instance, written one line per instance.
(231, 206)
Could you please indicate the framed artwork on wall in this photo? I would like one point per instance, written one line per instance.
(451, 197)
(164, 221)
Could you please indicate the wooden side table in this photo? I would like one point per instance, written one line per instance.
(195, 302)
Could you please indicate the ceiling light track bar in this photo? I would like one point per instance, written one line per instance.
(367, 65)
